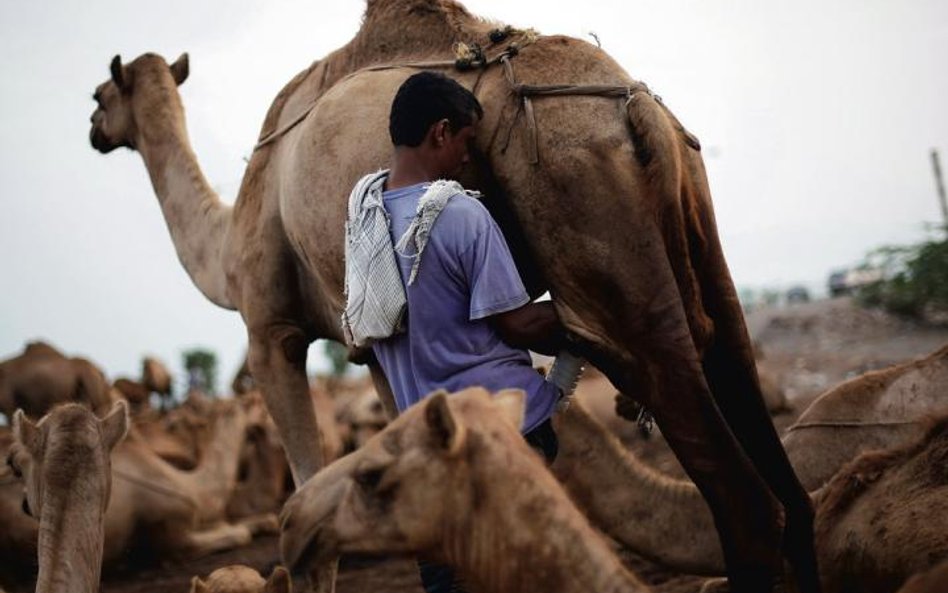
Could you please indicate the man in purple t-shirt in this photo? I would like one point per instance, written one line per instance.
(469, 320)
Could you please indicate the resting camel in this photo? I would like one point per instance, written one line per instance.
(603, 199)
(42, 377)
(242, 579)
(452, 480)
(884, 516)
(176, 514)
(878, 409)
(64, 460)
(19, 532)
(865, 523)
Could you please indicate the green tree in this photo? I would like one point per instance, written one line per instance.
(201, 366)
(915, 281)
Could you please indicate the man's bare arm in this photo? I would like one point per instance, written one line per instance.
(534, 326)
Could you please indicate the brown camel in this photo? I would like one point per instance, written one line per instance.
(452, 480)
(174, 513)
(884, 517)
(42, 377)
(157, 378)
(667, 521)
(64, 460)
(263, 472)
(242, 579)
(876, 410)
(19, 532)
(652, 304)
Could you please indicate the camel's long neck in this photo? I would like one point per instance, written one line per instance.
(198, 221)
(535, 541)
(664, 519)
(71, 534)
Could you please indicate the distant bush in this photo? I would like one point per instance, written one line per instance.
(915, 280)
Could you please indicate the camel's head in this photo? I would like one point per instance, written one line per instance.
(68, 441)
(139, 88)
(155, 376)
(242, 579)
(407, 487)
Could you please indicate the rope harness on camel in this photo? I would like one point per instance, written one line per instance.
(850, 424)
(472, 57)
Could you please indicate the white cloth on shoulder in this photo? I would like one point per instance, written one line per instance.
(375, 295)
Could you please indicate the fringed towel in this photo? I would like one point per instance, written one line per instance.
(375, 296)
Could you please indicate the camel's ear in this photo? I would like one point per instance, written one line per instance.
(199, 586)
(26, 433)
(279, 581)
(447, 433)
(115, 426)
(512, 405)
(119, 76)
(180, 69)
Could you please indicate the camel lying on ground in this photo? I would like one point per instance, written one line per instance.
(878, 409)
(64, 461)
(242, 579)
(19, 532)
(42, 376)
(884, 516)
(615, 489)
(452, 480)
(666, 520)
(172, 513)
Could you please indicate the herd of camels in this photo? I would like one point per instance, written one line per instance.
(569, 145)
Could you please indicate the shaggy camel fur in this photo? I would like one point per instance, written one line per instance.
(884, 516)
(242, 579)
(876, 410)
(651, 304)
(64, 460)
(42, 377)
(452, 480)
(870, 532)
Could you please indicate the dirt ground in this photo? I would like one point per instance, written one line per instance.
(807, 348)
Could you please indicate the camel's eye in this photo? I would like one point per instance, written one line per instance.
(368, 479)
(14, 467)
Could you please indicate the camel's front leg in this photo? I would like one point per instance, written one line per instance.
(277, 359)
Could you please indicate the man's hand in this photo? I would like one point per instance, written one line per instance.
(534, 326)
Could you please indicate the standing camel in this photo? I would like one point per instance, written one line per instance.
(604, 202)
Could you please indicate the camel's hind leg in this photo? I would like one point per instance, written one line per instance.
(667, 373)
(732, 376)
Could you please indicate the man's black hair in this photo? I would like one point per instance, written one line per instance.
(425, 99)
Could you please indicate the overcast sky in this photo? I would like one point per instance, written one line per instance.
(817, 118)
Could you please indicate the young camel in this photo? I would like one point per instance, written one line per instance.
(452, 480)
(64, 460)
(242, 579)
